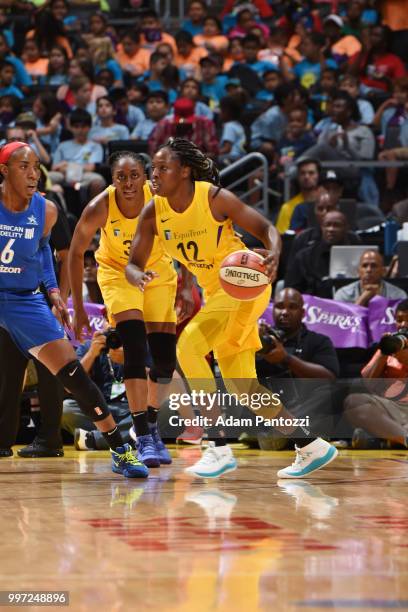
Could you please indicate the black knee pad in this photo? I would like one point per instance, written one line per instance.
(163, 350)
(89, 397)
(133, 336)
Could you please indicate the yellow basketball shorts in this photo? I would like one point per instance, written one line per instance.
(225, 325)
(157, 301)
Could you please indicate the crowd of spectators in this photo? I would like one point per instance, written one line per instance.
(318, 88)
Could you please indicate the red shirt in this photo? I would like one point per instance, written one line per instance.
(388, 65)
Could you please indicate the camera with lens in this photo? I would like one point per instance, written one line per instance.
(268, 336)
(393, 343)
(113, 340)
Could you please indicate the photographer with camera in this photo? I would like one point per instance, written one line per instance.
(102, 359)
(291, 351)
(386, 415)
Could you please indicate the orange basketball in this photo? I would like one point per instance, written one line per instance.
(242, 275)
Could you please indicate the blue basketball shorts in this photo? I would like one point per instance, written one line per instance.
(29, 320)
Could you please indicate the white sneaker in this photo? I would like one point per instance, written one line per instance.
(310, 458)
(81, 437)
(215, 461)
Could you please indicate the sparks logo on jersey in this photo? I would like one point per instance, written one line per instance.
(116, 232)
(29, 233)
(167, 234)
(32, 220)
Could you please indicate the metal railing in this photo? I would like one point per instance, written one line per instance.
(243, 183)
(289, 169)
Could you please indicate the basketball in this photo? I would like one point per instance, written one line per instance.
(242, 275)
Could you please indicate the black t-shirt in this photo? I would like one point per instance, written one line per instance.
(308, 346)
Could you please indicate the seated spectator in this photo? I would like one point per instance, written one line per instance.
(235, 53)
(322, 92)
(91, 292)
(22, 79)
(105, 128)
(185, 124)
(80, 89)
(98, 28)
(152, 32)
(269, 127)
(385, 414)
(35, 65)
(167, 51)
(327, 197)
(310, 270)
(351, 85)
(212, 82)
(191, 89)
(297, 137)
(188, 55)
(300, 354)
(158, 77)
(232, 143)
(376, 66)
(196, 13)
(308, 71)
(85, 70)
(246, 20)
(57, 69)
(78, 157)
(211, 37)
(342, 47)
(7, 73)
(49, 28)
(48, 119)
(131, 56)
(126, 113)
(371, 272)
(25, 131)
(157, 107)
(102, 56)
(391, 114)
(276, 44)
(251, 48)
(271, 79)
(105, 369)
(10, 107)
(308, 171)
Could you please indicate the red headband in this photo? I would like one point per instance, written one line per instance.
(8, 150)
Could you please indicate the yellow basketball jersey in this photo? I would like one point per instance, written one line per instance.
(118, 233)
(195, 238)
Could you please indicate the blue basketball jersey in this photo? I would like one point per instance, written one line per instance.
(20, 257)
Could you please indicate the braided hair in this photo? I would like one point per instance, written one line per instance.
(202, 167)
(118, 155)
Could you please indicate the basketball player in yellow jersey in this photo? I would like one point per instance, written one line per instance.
(193, 220)
(116, 212)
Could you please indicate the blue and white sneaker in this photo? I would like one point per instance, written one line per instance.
(215, 461)
(310, 458)
(161, 450)
(146, 451)
(125, 462)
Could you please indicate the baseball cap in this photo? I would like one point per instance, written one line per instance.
(335, 19)
(26, 120)
(183, 109)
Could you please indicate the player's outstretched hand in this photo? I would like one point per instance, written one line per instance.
(81, 322)
(59, 309)
(271, 262)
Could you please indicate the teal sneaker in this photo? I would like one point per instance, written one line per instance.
(310, 458)
(125, 462)
(161, 450)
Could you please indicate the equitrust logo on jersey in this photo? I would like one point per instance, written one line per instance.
(167, 234)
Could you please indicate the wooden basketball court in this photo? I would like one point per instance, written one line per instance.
(242, 542)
